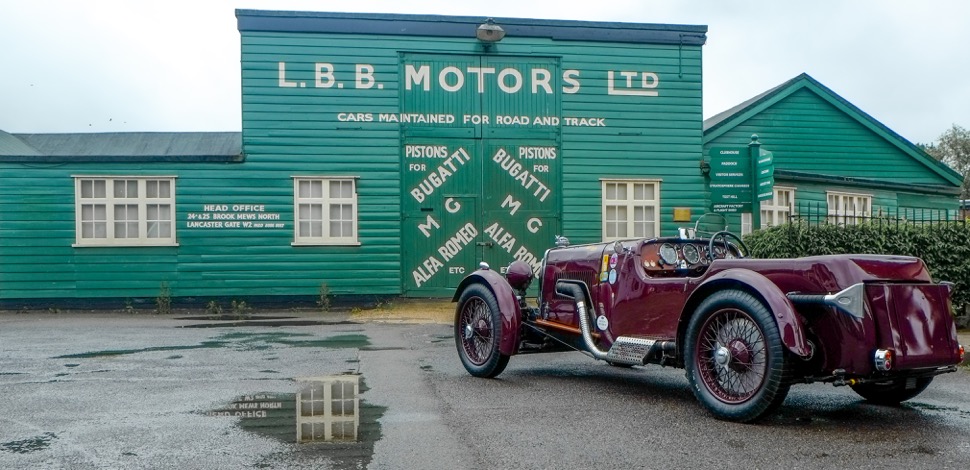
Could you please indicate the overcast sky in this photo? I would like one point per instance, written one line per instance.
(173, 65)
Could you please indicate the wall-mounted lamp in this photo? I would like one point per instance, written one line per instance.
(489, 32)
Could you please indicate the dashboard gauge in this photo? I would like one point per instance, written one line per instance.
(691, 255)
(668, 254)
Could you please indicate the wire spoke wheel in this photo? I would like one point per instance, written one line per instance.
(735, 360)
(475, 328)
(478, 332)
(732, 354)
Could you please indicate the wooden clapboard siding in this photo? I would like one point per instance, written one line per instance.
(295, 131)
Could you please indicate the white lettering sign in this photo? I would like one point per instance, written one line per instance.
(453, 78)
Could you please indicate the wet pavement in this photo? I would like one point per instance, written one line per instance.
(308, 391)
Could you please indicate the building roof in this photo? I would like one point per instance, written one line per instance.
(122, 147)
(723, 122)
(465, 26)
(11, 145)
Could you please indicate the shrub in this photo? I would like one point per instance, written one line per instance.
(943, 247)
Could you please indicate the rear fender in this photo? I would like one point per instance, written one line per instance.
(789, 323)
(507, 304)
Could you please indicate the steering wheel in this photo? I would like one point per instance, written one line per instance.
(724, 235)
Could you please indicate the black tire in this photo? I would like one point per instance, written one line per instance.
(891, 392)
(478, 332)
(736, 363)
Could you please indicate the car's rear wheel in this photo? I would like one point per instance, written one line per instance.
(478, 332)
(892, 392)
(735, 360)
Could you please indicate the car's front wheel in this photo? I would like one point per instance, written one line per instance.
(893, 391)
(735, 360)
(478, 332)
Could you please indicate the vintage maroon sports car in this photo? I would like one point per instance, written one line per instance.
(744, 329)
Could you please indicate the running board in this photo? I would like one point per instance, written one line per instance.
(639, 351)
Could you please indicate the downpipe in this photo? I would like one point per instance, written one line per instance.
(576, 292)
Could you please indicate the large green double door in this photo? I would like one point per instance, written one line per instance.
(481, 164)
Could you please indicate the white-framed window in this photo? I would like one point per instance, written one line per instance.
(325, 210)
(848, 208)
(776, 211)
(124, 210)
(631, 209)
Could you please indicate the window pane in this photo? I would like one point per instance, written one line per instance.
(126, 221)
(126, 188)
(611, 230)
(341, 220)
(341, 189)
(643, 192)
(326, 209)
(94, 230)
(157, 189)
(124, 212)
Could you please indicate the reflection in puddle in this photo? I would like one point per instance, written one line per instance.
(324, 408)
(327, 408)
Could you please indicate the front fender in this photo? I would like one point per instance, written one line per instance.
(507, 303)
(789, 324)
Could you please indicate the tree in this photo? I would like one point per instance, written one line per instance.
(953, 148)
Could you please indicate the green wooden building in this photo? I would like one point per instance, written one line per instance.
(379, 155)
(832, 161)
(386, 155)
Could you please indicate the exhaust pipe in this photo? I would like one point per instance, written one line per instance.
(576, 292)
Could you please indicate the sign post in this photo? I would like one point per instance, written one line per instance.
(730, 185)
(754, 150)
(741, 178)
(763, 175)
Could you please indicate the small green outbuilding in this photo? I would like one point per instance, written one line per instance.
(832, 161)
(386, 155)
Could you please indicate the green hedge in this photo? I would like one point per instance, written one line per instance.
(945, 248)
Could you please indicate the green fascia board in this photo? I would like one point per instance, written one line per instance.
(788, 175)
(464, 27)
(721, 123)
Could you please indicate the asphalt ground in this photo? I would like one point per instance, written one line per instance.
(120, 390)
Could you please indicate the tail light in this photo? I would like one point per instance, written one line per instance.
(883, 359)
(960, 350)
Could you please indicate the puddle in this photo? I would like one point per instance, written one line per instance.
(947, 410)
(234, 317)
(244, 341)
(261, 321)
(29, 445)
(323, 414)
